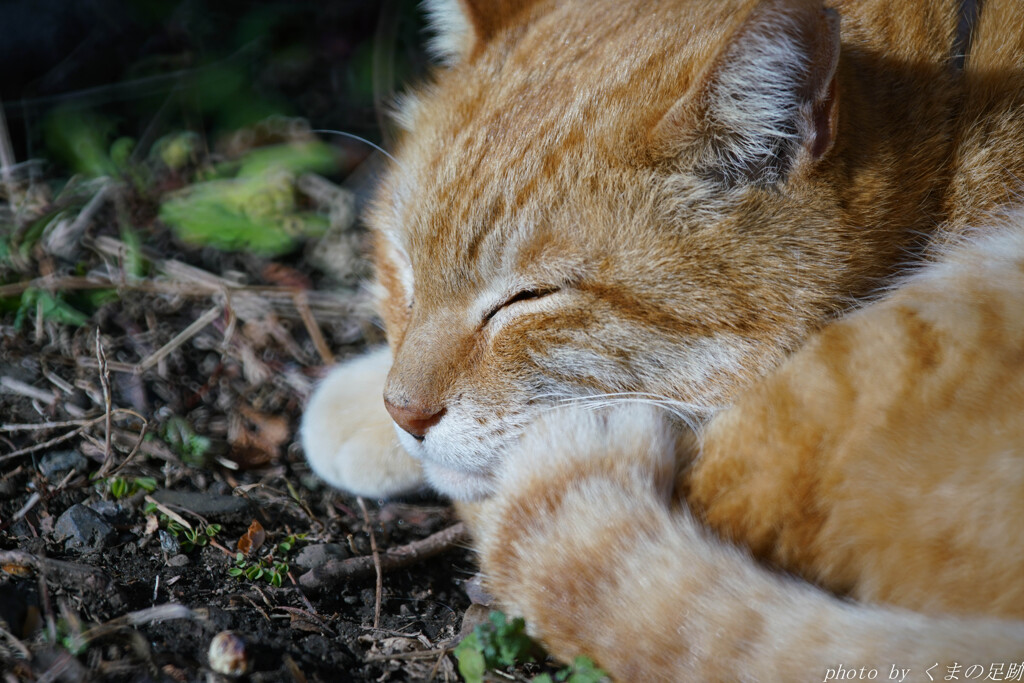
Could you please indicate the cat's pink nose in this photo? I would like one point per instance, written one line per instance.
(414, 418)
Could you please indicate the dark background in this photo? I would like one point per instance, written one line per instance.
(149, 67)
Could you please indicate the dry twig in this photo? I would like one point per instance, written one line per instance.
(376, 562)
(18, 387)
(313, 328)
(101, 359)
(340, 571)
(82, 426)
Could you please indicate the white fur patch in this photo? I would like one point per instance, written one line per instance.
(452, 33)
(755, 101)
(349, 437)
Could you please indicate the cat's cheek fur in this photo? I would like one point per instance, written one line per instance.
(349, 438)
(636, 443)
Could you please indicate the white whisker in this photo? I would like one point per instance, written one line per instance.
(353, 136)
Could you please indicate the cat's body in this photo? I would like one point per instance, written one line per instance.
(613, 201)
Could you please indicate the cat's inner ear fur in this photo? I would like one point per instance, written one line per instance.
(460, 27)
(767, 103)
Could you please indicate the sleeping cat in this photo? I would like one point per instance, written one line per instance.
(671, 283)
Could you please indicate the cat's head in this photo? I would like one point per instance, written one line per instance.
(606, 200)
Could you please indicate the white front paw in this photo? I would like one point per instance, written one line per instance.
(348, 436)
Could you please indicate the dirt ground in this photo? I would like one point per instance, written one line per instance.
(141, 451)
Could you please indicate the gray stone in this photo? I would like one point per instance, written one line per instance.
(83, 529)
(110, 511)
(178, 561)
(55, 464)
(318, 555)
(476, 592)
(214, 508)
(169, 543)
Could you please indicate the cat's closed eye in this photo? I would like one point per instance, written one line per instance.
(522, 295)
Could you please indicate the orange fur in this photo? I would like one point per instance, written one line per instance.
(679, 202)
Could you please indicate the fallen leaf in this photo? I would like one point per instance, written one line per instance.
(252, 540)
(17, 569)
(256, 440)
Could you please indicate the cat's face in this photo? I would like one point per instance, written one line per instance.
(623, 202)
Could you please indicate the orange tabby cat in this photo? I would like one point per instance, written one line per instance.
(599, 205)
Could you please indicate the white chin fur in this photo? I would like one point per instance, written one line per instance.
(348, 436)
(458, 485)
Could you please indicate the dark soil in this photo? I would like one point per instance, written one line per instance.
(221, 412)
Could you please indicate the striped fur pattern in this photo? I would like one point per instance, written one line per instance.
(644, 266)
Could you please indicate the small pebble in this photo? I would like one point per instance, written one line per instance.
(476, 592)
(83, 529)
(177, 561)
(110, 511)
(169, 542)
(55, 464)
(227, 654)
(318, 555)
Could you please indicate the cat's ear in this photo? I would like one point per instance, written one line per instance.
(461, 26)
(767, 103)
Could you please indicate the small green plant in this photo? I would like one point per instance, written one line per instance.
(500, 643)
(70, 638)
(196, 537)
(582, 670)
(496, 644)
(183, 440)
(120, 487)
(271, 568)
(52, 307)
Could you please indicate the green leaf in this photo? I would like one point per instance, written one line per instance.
(81, 139)
(297, 157)
(469, 654)
(118, 488)
(256, 211)
(176, 150)
(146, 484)
(235, 571)
(52, 306)
(134, 261)
(121, 152)
(183, 440)
(582, 670)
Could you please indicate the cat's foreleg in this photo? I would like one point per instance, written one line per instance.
(348, 436)
(580, 539)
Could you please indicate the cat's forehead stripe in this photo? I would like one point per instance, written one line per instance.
(493, 146)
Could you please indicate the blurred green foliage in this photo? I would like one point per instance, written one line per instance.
(171, 98)
(500, 642)
(256, 210)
